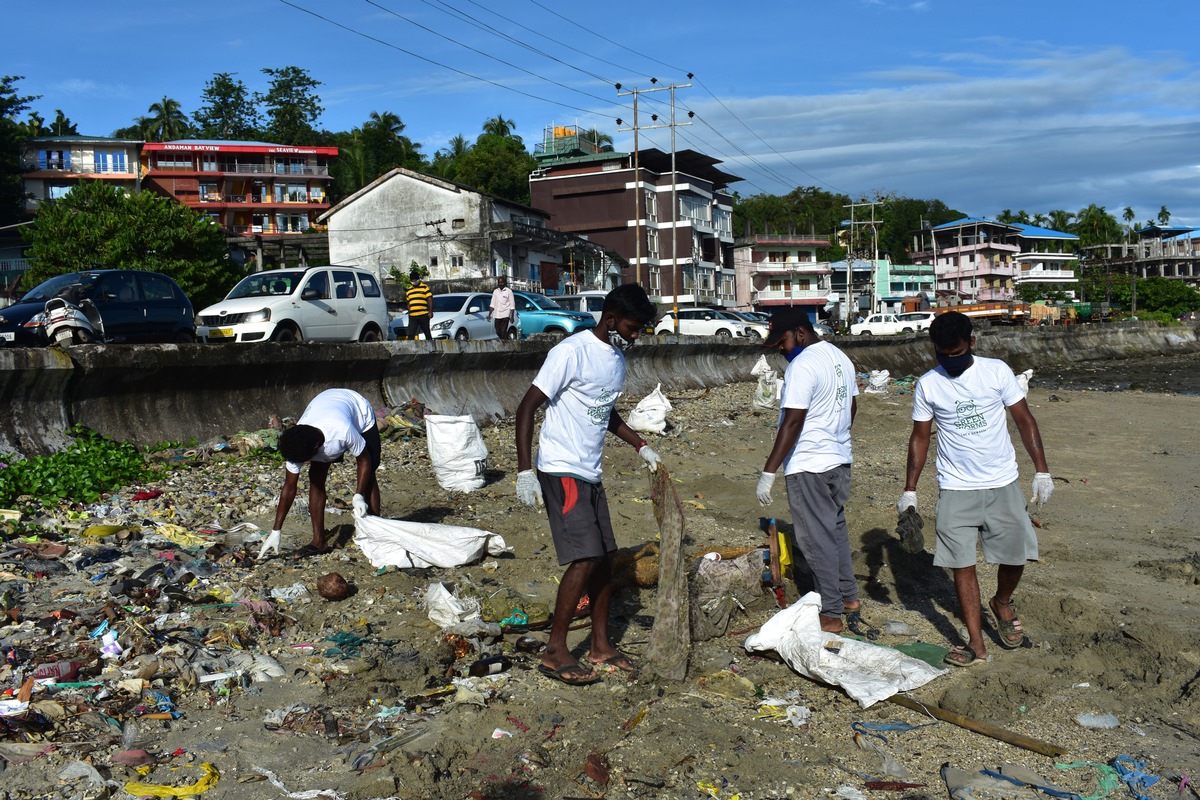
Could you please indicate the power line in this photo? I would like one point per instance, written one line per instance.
(605, 38)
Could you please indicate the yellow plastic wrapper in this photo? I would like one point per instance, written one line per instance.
(101, 531)
(206, 782)
(181, 536)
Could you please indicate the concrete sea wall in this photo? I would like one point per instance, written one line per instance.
(148, 394)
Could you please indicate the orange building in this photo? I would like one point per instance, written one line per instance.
(249, 188)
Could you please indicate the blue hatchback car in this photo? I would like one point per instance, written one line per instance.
(537, 313)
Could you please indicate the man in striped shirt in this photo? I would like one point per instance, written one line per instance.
(420, 298)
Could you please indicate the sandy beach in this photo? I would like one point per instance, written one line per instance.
(1111, 609)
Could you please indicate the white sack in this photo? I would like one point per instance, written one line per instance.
(877, 382)
(399, 543)
(457, 452)
(762, 367)
(867, 672)
(766, 394)
(1023, 381)
(446, 610)
(650, 414)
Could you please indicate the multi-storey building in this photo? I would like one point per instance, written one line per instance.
(249, 188)
(52, 165)
(982, 259)
(781, 269)
(674, 228)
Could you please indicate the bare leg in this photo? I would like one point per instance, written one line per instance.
(966, 586)
(318, 471)
(577, 577)
(1007, 578)
(600, 590)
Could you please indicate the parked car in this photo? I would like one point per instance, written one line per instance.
(459, 315)
(822, 329)
(876, 325)
(703, 322)
(134, 305)
(537, 313)
(758, 326)
(313, 304)
(590, 301)
(914, 321)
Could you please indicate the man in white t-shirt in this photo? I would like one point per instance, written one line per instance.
(579, 384)
(503, 307)
(979, 499)
(817, 408)
(336, 422)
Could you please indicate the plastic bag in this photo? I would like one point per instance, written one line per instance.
(650, 414)
(1023, 381)
(877, 382)
(445, 609)
(399, 543)
(766, 394)
(457, 452)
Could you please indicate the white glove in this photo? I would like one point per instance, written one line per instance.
(360, 506)
(650, 457)
(1043, 487)
(907, 500)
(270, 543)
(765, 482)
(529, 491)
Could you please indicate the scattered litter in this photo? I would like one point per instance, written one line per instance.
(1097, 721)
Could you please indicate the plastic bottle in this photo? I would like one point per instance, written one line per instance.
(59, 670)
(489, 666)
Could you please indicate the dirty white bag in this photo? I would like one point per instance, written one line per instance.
(446, 609)
(869, 673)
(650, 414)
(399, 543)
(877, 381)
(762, 367)
(766, 394)
(457, 452)
(1023, 381)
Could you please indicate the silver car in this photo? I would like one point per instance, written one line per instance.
(460, 316)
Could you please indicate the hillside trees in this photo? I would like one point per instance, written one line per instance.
(229, 112)
(12, 104)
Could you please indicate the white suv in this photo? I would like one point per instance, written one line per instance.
(703, 322)
(313, 304)
(877, 325)
(915, 320)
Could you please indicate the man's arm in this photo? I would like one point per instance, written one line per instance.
(530, 403)
(853, 410)
(918, 451)
(286, 495)
(618, 428)
(1031, 437)
(785, 439)
(363, 463)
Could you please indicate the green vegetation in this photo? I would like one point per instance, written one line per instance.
(90, 466)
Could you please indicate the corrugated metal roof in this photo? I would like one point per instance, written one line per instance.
(1035, 232)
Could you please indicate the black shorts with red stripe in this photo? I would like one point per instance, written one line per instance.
(578, 514)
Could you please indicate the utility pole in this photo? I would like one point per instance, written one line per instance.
(850, 253)
(677, 279)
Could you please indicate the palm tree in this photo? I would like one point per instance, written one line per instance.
(34, 126)
(499, 126)
(167, 121)
(445, 161)
(62, 126)
(387, 122)
(604, 141)
(1164, 216)
(1060, 220)
(1129, 217)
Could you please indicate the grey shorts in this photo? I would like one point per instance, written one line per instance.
(578, 514)
(996, 518)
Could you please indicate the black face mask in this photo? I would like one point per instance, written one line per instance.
(955, 365)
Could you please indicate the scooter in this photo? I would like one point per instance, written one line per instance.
(67, 323)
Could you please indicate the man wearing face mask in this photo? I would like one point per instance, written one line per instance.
(979, 498)
(817, 408)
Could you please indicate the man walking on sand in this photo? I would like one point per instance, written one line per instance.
(503, 307)
(336, 422)
(817, 408)
(579, 384)
(978, 494)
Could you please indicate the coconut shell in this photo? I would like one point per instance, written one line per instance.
(333, 587)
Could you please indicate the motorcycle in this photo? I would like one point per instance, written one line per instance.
(67, 323)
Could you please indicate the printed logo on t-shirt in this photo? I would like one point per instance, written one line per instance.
(969, 420)
(600, 413)
(839, 397)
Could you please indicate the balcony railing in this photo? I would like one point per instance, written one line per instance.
(80, 168)
(1055, 275)
(808, 267)
(791, 294)
(237, 168)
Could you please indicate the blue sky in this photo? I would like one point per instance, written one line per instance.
(1022, 104)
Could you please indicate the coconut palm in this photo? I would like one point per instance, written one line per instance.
(167, 121)
(1060, 220)
(1164, 216)
(604, 141)
(499, 126)
(445, 161)
(1129, 217)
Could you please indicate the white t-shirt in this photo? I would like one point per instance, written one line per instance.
(343, 416)
(582, 379)
(974, 449)
(503, 303)
(822, 381)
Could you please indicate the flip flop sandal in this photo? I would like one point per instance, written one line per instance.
(570, 674)
(308, 551)
(1012, 633)
(962, 655)
(618, 663)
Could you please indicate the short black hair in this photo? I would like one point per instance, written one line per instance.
(629, 301)
(414, 276)
(300, 443)
(950, 328)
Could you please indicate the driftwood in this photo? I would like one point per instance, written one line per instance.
(670, 637)
(985, 728)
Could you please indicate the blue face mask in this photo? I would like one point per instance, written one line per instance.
(955, 365)
(795, 351)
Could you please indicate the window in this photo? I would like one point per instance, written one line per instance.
(651, 206)
(775, 285)
(54, 159)
(651, 243)
(433, 262)
(57, 192)
(777, 256)
(106, 161)
(370, 286)
(208, 162)
(209, 193)
(456, 262)
(344, 286)
(319, 283)
(156, 287)
(458, 223)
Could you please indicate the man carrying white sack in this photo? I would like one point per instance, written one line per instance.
(979, 499)
(336, 422)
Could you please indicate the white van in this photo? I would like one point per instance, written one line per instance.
(312, 304)
(591, 301)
